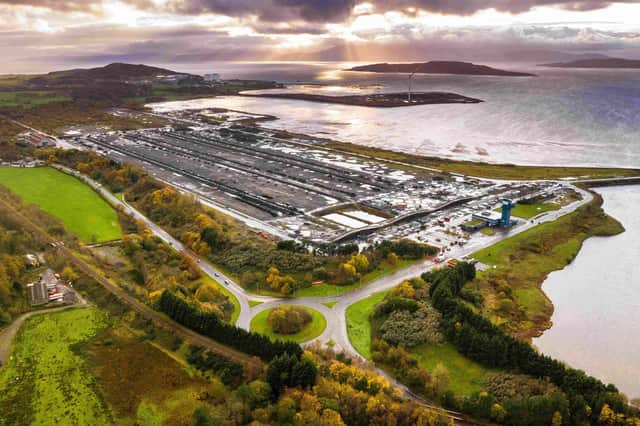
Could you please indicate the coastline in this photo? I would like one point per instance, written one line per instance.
(381, 100)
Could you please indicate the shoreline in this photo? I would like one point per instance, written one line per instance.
(377, 100)
(437, 160)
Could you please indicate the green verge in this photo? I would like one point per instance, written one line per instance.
(83, 212)
(512, 291)
(45, 381)
(358, 324)
(327, 290)
(527, 211)
(330, 304)
(465, 376)
(318, 323)
(492, 171)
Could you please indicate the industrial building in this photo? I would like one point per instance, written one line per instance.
(492, 218)
(45, 290)
(38, 294)
(212, 77)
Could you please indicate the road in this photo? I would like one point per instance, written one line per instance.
(336, 329)
(145, 311)
(7, 335)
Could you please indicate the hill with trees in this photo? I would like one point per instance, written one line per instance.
(439, 67)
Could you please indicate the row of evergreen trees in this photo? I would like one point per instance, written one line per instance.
(479, 339)
(230, 372)
(209, 325)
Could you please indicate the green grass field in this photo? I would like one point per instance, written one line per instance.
(527, 211)
(312, 330)
(522, 263)
(45, 381)
(465, 375)
(83, 212)
(358, 324)
(326, 290)
(30, 98)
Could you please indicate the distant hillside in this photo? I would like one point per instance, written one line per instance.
(440, 67)
(597, 63)
(115, 71)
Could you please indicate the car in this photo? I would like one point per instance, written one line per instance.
(227, 282)
(216, 274)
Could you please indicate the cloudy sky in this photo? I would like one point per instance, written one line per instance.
(39, 35)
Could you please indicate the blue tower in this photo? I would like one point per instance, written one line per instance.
(507, 205)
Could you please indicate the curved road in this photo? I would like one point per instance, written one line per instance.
(336, 329)
(7, 335)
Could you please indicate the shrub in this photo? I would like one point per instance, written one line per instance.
(209, 293)
(288, 319)
(405, 328)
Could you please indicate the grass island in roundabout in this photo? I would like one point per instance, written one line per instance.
(289, 322)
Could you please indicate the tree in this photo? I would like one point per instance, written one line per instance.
(68, 274)
(498, 413)
(347, 273)
(202, 417)
(290, 371)
(209, 293)
(288, 319)
(360, 262)
(392, 258)
(439, 380)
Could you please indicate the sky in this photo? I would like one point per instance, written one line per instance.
(44, 35)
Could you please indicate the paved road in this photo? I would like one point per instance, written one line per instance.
(336, 329)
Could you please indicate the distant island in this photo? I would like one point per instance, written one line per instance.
(598, 63)
(379, 100)
(439, 67)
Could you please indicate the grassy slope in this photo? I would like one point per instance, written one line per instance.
(45, 382)
(30, 98)
(496, 171)
(465, 375)
(326, 290)
(527, 211)
(358, 324)
(524, 261)
(81, 210)
(134, 372)
(312, 330)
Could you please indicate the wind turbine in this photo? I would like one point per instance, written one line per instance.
(409, 84)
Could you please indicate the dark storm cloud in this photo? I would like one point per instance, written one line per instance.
(270, 10)
(340, 10)
(317, 10)
(466, 7)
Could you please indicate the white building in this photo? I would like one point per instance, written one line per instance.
(212, 77)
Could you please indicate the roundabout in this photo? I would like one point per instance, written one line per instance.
(266, 322)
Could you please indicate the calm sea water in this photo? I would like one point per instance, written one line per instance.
(596, 322)
(561, 117)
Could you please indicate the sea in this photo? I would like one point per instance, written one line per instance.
(575, 117)
(578, 117)
(596, 318)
